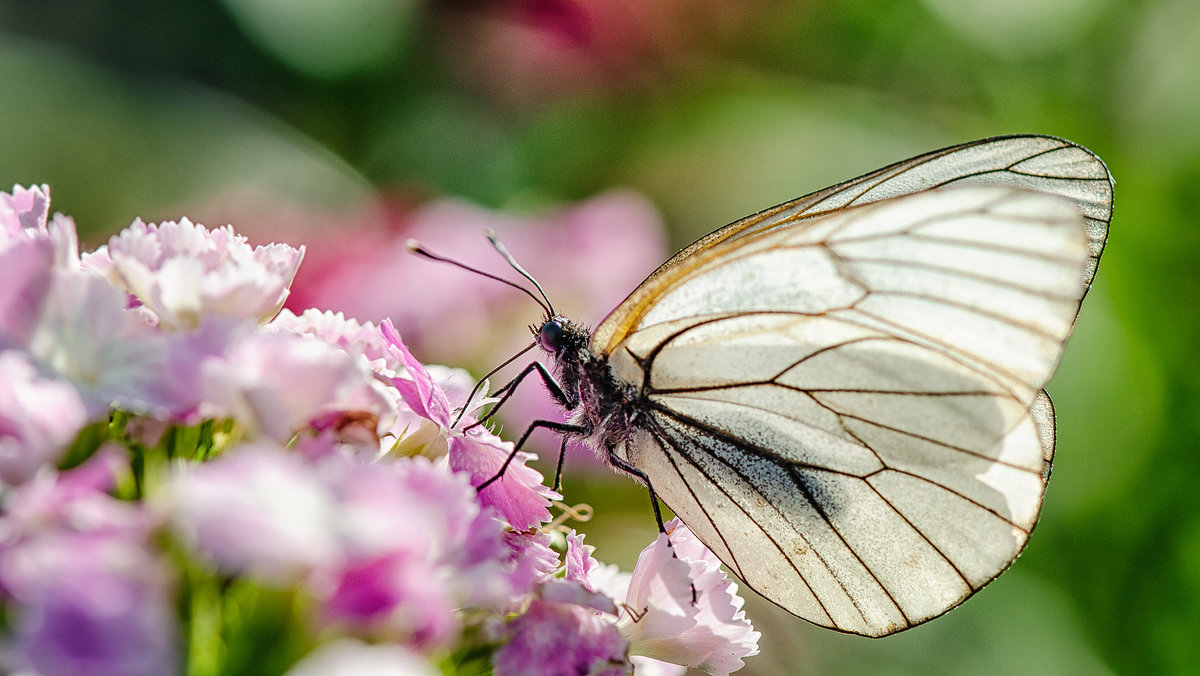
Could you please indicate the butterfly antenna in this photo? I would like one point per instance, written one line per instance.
(500, 248)
(419, 249)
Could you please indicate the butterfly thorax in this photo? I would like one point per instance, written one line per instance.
(599, 401)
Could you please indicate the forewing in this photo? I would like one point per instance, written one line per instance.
(850, 412)
(1041, 163)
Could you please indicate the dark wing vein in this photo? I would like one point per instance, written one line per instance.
(681, 449)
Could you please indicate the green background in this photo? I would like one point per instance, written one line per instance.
(713, 110)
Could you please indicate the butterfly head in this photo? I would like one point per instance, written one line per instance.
(556, 334)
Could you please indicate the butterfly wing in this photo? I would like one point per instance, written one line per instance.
(848, 408)
(1042, 163)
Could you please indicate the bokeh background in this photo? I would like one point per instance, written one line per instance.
(597, 136)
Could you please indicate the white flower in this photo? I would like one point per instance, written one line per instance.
(680, 607)
(184, 273)
(82, 332)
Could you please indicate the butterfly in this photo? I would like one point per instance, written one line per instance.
(842, 395)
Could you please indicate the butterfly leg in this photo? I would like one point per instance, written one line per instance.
(624, 466)
(552, 387)
(562, 453)
(564, 428)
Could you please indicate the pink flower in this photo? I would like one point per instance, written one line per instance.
(76, 327)
(342, 332)
(74, 502)
(562, 639)
(275, 384)
(394, 550)
(575, 586)
(531, 559)
(26, 266)
(39, 417)
(680, 607)
(393, 597)
(24, 209)
(24, 216)
(519, 494)
(555, 48)
(184, 273)
(416, 552)
(256, 510)
(88, 594)
(92, 607)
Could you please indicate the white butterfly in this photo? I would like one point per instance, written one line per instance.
(842, 395)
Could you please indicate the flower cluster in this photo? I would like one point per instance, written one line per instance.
(187, 472)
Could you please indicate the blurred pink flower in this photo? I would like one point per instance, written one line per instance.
(256, 510)
(530, 52)
(75, 501)
(519, 495)
(26, 266)
(680, 607)
(31, 247)
(76, 327)
(184, 273)
(562, 639)
(417, 552)
(96, 608)
(391, 550)
(39, 417)
(275, 384)
(587, 256)
(89, 595)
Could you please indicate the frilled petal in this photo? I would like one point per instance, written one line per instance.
(580, 565)
(686, 610)
(519, 494)
(341, 332)
(560, 639)
(185, 273)
(532, 561)
(24, 209)
(418, 389)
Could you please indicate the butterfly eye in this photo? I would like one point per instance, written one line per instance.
(550, 335)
